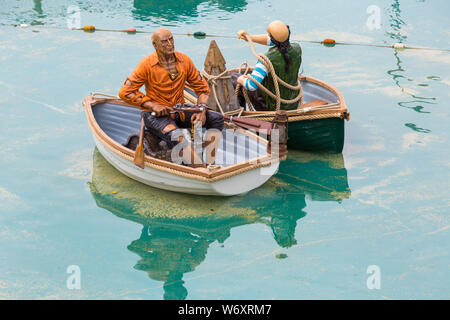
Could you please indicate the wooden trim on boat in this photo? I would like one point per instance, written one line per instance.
(340, 111)
(342, 104)
(201, 174)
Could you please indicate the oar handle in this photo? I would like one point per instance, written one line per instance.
(141, 132)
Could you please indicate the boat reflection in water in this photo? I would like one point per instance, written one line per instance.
(179, 228)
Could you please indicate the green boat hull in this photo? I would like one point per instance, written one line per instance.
(322, 135)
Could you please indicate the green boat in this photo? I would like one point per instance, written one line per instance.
(318, 124)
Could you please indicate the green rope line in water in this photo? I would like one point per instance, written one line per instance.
(203, 35)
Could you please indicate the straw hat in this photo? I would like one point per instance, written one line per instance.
(278, 30)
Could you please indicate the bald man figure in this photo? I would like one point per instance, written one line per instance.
(164, 74)
(286, 58)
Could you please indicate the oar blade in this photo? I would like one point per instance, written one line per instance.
(139, 157)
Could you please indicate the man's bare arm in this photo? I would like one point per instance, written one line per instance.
(260, 38)
(130, 93)
(203, 98)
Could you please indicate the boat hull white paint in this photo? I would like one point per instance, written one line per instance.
(238, 184)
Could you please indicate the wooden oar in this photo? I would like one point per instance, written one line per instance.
(139, 153)
(250, 124)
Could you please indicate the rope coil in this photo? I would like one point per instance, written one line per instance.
(212, 81)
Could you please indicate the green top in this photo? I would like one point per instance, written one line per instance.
(275, 56)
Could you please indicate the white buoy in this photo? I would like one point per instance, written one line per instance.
(23, 25)
(398, 46)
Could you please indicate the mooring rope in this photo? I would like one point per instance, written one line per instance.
(212, 81)
(244, 92)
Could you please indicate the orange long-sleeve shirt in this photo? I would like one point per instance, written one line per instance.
(159, 87)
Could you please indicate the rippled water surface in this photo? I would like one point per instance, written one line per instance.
(311, 231)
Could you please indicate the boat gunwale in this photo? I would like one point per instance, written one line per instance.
(180, 170)
(340, 109)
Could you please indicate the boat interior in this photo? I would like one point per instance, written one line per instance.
(120, 121)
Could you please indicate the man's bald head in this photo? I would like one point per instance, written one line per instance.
(162, 41)
(161, 33)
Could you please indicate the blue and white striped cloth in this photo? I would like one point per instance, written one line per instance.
(259, 73)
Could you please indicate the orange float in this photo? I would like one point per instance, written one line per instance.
(329, 41)
(89, 28)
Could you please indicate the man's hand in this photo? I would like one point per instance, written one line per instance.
(199, 116)
(241, 34)
(241, 80)
(158, 109)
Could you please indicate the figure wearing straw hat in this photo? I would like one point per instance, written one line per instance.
(283, 59)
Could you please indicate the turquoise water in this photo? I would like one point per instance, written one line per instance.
(311, 232)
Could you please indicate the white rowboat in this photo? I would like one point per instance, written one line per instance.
(244, 164)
